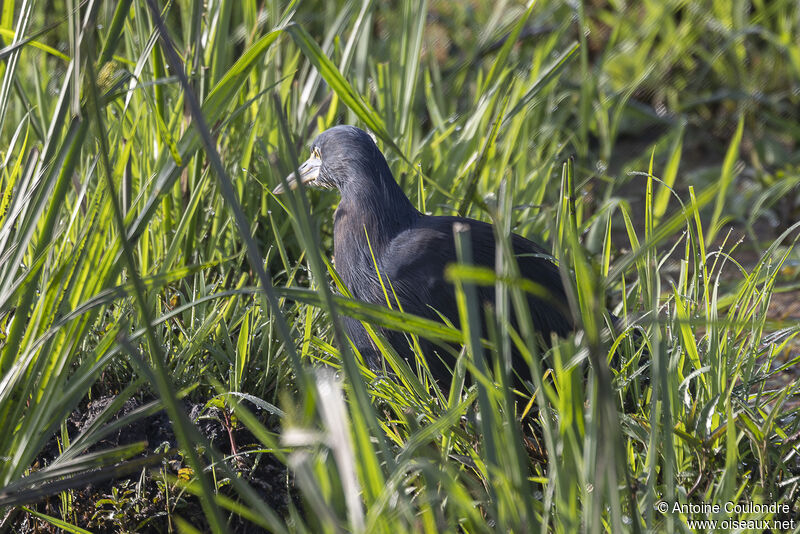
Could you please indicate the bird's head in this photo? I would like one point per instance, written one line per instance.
(339, 156)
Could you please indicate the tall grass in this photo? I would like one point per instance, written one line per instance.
(143, 255)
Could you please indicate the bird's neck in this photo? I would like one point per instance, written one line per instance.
(368, 218)
(376, 203)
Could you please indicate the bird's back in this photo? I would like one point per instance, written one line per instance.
(415, 261)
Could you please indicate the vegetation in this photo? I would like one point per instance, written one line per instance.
(145, 265)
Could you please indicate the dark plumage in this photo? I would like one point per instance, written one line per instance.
(411, 249)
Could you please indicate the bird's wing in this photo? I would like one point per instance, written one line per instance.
(416, 259)
(414, 265)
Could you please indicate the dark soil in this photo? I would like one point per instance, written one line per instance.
(145, 501)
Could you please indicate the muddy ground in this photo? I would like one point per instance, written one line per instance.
(145, 501)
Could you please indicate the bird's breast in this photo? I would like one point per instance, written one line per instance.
(351, 250)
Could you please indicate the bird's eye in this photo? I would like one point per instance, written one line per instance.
(315, 153)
